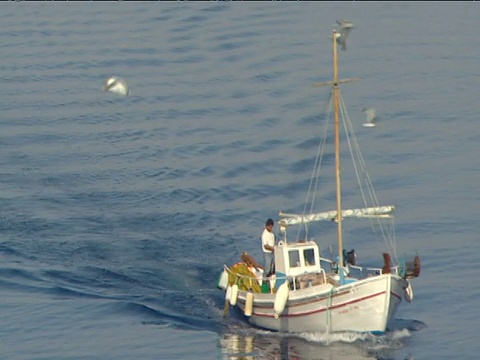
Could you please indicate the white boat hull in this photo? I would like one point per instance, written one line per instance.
(365, 305)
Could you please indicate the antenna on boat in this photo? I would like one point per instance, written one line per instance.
(337, 36)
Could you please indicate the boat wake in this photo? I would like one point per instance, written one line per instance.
(390, 340)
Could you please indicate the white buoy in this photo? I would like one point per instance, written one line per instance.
(234, 295)
(249, 304)
(409, 292)
(116, 85)
(272, 280)
(223, 280)
(228, 293)
(281, 298)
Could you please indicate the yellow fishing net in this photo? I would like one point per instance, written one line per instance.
(241, 275)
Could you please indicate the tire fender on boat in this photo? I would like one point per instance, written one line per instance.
(249, 304)
(281, 298)
(234, 295)
(409, 292)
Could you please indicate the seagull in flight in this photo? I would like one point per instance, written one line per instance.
(116, 85)
(344, 28)
(371, 116)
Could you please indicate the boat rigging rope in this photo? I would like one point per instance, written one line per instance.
(360, 166)
(311, 193)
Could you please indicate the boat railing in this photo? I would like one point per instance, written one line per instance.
(251, 275)
(359, 271)
(248, 280)
(373, 271)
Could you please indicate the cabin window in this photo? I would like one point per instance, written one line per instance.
(294, 257)
(309, 256)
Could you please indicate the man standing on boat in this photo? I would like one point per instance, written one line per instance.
(268, 243)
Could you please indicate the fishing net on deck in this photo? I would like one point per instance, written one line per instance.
(241, 275)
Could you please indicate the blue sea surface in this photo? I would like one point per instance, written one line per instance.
(118, 213)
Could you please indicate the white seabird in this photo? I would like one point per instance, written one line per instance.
(343, 29)
(116, 85)
(371, 116)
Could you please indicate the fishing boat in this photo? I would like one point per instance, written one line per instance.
(309, 291)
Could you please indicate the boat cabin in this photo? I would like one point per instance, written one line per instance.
(296, 259)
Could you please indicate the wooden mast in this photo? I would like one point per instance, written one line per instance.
(336, 100)
(337, 151)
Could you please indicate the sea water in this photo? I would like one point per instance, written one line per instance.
(118, 212)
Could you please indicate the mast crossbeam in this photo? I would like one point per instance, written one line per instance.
(324, 83)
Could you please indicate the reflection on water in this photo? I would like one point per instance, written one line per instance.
(247, 343)
(238, 347)
(278, 347)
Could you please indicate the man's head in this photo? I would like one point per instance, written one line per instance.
(269, 223)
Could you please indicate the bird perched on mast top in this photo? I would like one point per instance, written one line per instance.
(343, 29)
